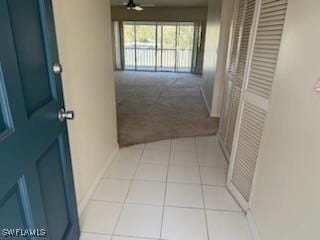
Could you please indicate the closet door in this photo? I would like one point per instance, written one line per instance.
(261, 65)
(240, 70)
(234, 42)
(242, 25)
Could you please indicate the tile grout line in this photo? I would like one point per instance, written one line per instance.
(103, 177)
(173, 206)
(165, 192)
(135, 237)
(173, 182)
(202, 191)
(120, 235)
(127, 194)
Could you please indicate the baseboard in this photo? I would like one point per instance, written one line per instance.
(205, 101)
(216, 115)
(253, 226)
(83, 203)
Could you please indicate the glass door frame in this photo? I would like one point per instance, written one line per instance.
(159, 25)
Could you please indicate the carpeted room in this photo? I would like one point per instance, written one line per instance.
(153, 106)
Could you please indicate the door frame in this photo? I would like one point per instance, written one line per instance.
(159, 25)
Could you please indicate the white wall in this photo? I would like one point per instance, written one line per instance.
(210, 50)
(215, 55)
(219, 78)
(84, 42)
(286, 201)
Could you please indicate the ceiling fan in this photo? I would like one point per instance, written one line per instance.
(131, 5)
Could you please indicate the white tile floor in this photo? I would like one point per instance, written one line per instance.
(168, 190)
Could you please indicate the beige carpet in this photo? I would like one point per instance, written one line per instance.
(155, 106)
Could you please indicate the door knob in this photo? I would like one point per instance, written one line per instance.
(57, 68)
(65, 115)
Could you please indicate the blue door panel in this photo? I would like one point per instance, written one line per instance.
(21, 207)
(30, 51)
(9, 70)
(12, 207)
(36, 179)
(53, 190)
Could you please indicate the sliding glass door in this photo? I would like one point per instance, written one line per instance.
(129, 38)
(167, 34)
(185, 41)
(152, 46)
(146, 46)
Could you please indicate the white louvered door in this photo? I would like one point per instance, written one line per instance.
(229, 100)
(242, 25)
(259, 73)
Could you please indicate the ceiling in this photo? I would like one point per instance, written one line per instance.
(165, 3)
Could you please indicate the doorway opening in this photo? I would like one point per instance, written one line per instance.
(160, 47)
(158, 68)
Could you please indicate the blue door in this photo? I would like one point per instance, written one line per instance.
(36, 182)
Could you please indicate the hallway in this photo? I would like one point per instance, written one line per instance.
(132, 155)
(153, 106)
(172, 190)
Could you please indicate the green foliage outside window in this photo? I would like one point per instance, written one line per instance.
(170, 35)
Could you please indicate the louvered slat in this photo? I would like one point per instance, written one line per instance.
(250, 134)
(243, 52)
(266, 47)
(225, 112)
(274, 6)
(235, 100)
(238, 19)
(277, 14)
